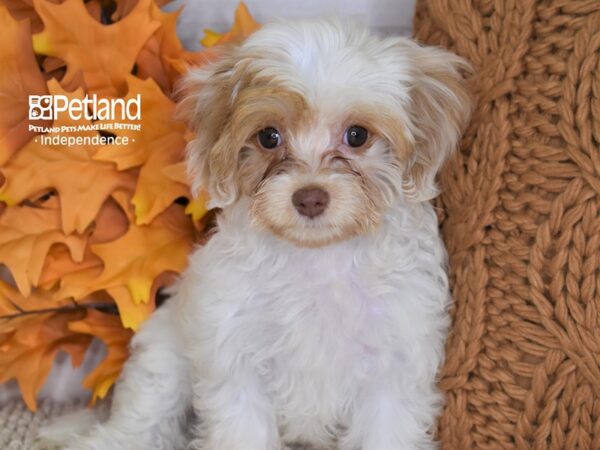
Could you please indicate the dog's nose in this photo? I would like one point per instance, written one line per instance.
(310, 201)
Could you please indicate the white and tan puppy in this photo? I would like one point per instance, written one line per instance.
(318, 311)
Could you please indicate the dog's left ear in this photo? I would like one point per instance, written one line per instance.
(207, 95)
(440, 109)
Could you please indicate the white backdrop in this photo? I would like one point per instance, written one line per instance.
(387, 16)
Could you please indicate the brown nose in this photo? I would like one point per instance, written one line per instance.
(310, 201)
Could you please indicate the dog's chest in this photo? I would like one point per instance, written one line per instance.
(315, 328)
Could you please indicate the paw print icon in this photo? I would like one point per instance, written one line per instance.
(40, 107)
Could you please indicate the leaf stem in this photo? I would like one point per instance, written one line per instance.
(110, 308)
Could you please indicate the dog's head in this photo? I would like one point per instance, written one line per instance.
(323, 126)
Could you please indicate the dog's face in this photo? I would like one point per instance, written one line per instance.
(323, 126)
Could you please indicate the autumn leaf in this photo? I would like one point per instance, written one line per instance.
(157, 122)
(20, 78)
(124, 7)
(196, 206)
(26, 236)
(135, 261)
(155, 191)
(154, 147)
(132, 314)
(111, 223)
(59, 263)
(30, 363)
(70, 33)
(163, 57)
(243, 26)
(145, 252)
(82, 183)
(13, 304)
(91, 228)
(29, 344)
(108, 329)
(23, 10)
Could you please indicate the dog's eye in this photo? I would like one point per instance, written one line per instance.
(269, 138)
(355, 136)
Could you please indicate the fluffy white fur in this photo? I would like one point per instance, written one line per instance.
(266, 342)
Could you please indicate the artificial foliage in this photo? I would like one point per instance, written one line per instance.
(89, 235)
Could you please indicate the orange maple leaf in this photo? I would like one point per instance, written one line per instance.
(110, 223)
(163, 58)
(13, 304)
(70, 33)
(59, 264)
(30, 342)
(154, 147)
(26, 236)
(20, 78)
(145, 252)
(82, 183)
(124, 7)
(155, 190)
(23, 9)
(108, 329)
(135, 261)
(157, 122)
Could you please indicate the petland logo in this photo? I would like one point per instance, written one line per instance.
(49, 107)
(103, 121)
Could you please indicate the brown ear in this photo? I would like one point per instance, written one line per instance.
(206, 98)
(440, 110)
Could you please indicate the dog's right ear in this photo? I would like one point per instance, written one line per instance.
(207, 95)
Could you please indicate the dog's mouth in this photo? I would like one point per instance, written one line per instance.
(312, 232)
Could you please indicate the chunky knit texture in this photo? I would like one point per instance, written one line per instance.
(19, 426)
(521, 219)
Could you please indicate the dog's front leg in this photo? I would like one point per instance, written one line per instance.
(388, 416)
(234, 412)
(150, 402)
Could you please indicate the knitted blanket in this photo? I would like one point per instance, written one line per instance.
(521, 207)
(19, 426)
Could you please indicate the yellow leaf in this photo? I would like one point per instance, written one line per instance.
(243, 26)
(211, 38)
(197, 206)
(132, 314)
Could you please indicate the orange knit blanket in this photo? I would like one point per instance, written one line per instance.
(521, 219)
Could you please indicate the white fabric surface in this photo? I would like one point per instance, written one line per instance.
(387, 16)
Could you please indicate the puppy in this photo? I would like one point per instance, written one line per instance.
(317, 313)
